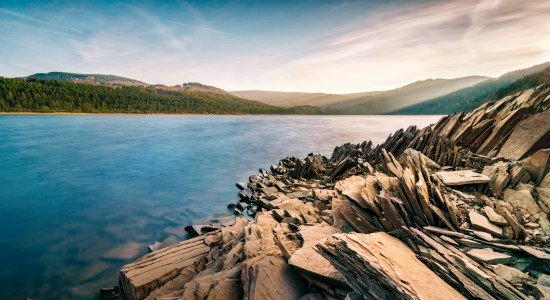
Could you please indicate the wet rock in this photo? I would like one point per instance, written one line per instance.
(241, 185)
(196, 230)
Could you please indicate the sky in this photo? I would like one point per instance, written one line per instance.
(309, 46)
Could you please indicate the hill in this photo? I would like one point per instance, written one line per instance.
(89, 78)
(287, 99)
(468, 98)
(413, 93)
(46, 95)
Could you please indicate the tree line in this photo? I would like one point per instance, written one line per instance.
(44, 95)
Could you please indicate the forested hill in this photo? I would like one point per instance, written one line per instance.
(41, 95)
(89, 78)
(469, 98)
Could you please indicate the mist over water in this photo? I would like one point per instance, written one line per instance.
(80, 196)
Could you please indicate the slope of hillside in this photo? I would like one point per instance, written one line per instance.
(89, 78)
(468, 98)
(40, 95)
(286, 99)
(414, 93)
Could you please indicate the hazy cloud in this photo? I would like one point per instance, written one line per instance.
(347, 46)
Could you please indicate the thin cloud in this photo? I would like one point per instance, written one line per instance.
(199, 27)
(38, 21)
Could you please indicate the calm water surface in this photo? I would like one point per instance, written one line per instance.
(81, 195)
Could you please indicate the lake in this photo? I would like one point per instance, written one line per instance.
(82, 195)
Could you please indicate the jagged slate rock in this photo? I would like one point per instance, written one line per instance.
(241, 185)
(438, 230)
(153, 270)
(543, 195)
(154, 247)
(494, 217)
(480, 222)
(538, 164)
(246, 194)
(268, 190)
(538, 254)
(270, 277)
(259, 237)
(470, 243)
(415, 155)
(530, 135)
(483, 235)
(307, 260)
(221, 285)
(541, 292)
(448, 240)
(519, 231)
(463, 177)
(522, 198)
(512, 275)
(380, 266)
(196, 230)
(242, 205)
(544, 280)
(488, 256)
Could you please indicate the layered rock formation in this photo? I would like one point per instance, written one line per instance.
(455, 210)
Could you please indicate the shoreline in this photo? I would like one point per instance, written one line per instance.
(187, 114)
(452, 209)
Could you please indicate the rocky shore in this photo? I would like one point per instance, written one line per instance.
(455, 210)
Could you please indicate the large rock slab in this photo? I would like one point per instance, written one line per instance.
(522, 198)
(488, 256)
(270, 277)
(309, 261)
(528, 136)
(139, 278)
(480, 222)
(463, 177)
(379, 266)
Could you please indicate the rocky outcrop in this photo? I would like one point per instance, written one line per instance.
(458, 209)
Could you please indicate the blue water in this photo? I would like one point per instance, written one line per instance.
(81, 195)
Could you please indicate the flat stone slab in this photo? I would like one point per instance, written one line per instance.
(307, 260)
(528, 136)
(480, 222)
(462, 177)
(488, 256)
(379, 266)
(139, 278)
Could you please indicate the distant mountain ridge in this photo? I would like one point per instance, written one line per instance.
(413, 93)
(89, 78)
(375, 102)
(286, 99)
(468, 98)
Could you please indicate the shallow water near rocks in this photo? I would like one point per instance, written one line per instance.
(81, 195)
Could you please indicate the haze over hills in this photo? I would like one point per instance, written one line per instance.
(375, 102)
(471, 97)
(287, 99)
(73, 92)
(413, 93)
